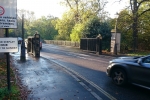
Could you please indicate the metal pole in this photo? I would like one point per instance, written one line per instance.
(8, 66)
(23, 27)
(22, 57)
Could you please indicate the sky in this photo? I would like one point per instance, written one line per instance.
(115, 7)
(42, 7)
(53, 7)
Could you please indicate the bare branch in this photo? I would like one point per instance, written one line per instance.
(144, 12)
(131, 5)
(118, 1)
(101, 8)
(142, 1)
(69, 4)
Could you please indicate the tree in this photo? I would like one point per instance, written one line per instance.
(96, 27)
(29, 17)
(75, 22)
(65, 26)
(90, 29)
(124, 26)
(135, 11)
(44, 26)
(134, 23)
(135, 6)
(144, 30)
(77, 32)
(81, 30)
(17, 32)
(78, 7)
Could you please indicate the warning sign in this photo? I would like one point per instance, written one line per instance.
(8, 45)
(1, 10)
(8, 14)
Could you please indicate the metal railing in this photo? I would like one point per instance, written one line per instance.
(91, 44)
(61, 42)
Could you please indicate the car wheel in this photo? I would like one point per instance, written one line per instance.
(119, 77)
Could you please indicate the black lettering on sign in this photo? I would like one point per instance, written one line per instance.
(11, 47)
(6, 26)
(2, 20)
(8, 17)
(9, 41)
(3, 44)
(10, 20)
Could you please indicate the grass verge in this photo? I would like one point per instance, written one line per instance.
(14, 94)
(139, 53)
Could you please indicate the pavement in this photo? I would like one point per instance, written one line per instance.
(45, 80)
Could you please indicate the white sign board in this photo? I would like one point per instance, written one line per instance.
(8, 13)
(9, 45)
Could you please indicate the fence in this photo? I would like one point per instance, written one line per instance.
(88, 44)
(91, 44)
(61, 42)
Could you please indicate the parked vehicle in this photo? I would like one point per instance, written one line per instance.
(134, 70)
(26, 42)
(19, 40)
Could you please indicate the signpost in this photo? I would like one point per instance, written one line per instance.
(8, 45)
(8, 19)
(8, 14)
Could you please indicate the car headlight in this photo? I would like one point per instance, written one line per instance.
(110, 62)
(109, 66)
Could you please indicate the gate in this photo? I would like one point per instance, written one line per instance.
(91, 44)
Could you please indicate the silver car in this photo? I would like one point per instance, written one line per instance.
(134, 70)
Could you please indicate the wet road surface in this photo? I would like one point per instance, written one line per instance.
(93, 68)
(48, 81)
(54, 82)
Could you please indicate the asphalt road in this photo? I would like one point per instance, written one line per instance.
(90, 69)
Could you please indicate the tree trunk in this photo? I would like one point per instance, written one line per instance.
(135, 25)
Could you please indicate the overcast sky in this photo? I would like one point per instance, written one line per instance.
(52, 7)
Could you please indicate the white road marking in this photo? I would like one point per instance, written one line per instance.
(78, 55)
(88, 81)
